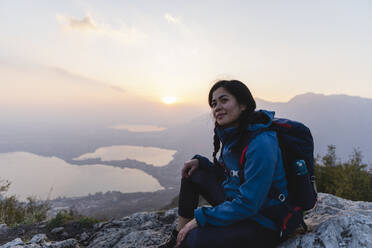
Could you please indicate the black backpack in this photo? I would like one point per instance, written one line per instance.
(297, 146)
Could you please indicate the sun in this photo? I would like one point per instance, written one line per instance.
(169, 99)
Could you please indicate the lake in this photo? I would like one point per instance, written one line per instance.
(40, 176)
(149, 155)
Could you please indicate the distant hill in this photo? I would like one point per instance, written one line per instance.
(344, 121)
(341, 120)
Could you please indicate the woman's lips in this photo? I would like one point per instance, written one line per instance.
(219, 116)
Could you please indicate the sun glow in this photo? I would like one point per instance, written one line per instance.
(169, 99)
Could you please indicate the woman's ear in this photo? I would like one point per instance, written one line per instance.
(243, 107)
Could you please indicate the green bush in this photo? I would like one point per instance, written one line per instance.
(63, 217)
(349, 180)
(13, 212)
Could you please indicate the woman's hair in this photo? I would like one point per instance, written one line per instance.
(244, 97)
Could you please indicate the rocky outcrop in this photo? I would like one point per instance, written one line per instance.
(334, 222)
(40, 242)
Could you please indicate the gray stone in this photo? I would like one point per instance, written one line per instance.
(334, 222)
(57, 230)
(29, 246)
(65, 235)
(138, 230)
(69, 243)
(16, 242)
(38, 238)
(3, 229)
(83, 237)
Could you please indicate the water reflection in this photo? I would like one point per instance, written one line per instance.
(150, 155)
(31, 174)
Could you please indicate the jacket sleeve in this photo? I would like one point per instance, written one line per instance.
(204, 162)
(261, 159)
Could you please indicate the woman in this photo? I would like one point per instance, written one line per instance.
(238, 196)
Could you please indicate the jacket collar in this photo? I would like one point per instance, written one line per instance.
(231, 133)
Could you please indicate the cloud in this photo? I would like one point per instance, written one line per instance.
(71, 23)
(83, 79)
(86, 24)
(171, 18)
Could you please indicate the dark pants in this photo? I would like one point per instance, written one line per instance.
(246, 233)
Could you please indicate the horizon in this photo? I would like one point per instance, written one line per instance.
(76, 53)
(145, 115)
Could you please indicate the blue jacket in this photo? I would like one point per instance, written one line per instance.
(263, 167)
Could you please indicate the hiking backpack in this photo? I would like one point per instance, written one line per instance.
(297, 147)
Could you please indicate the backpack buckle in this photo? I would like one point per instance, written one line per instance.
(234, 173)
(312, 178)
(281, 197)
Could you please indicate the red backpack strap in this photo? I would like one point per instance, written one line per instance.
(242, 160)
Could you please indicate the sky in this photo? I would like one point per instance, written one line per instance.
(106, 53)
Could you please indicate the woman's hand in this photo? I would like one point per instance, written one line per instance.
(189, 167)
(185, 230)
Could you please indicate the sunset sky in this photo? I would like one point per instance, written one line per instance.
(77, 52)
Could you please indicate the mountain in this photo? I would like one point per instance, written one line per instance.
(341, 120)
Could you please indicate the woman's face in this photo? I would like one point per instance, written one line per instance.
(225, 108)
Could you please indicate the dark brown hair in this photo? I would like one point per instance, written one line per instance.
(244, 97)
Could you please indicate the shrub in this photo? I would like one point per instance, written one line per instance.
(63, 217)
(349, 180)
(14, 212)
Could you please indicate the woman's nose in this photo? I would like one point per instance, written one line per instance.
(218, 107)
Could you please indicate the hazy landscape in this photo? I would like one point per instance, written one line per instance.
(102, 102)
(82, 161)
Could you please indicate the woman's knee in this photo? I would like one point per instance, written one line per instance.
(196, 177)
(195, 239)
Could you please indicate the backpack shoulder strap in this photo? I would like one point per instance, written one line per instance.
(242, 159)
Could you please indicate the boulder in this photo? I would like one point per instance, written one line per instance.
(38, 238)
(57, 230)
(15, 243)
(3, 229)
(334, 222)
(69, 243)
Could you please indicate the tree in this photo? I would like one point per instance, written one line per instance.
(13, 212)
(348, 180)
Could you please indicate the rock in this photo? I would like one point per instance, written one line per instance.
(334, 222)
(65, 235)
(138, 230)
(83, 237)
(69, 243)
(16, 242)
(38, 238)
(57, 230)
(100, 225)
(29, 246)
(3, 229)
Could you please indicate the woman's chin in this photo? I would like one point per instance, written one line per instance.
(223, 124)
